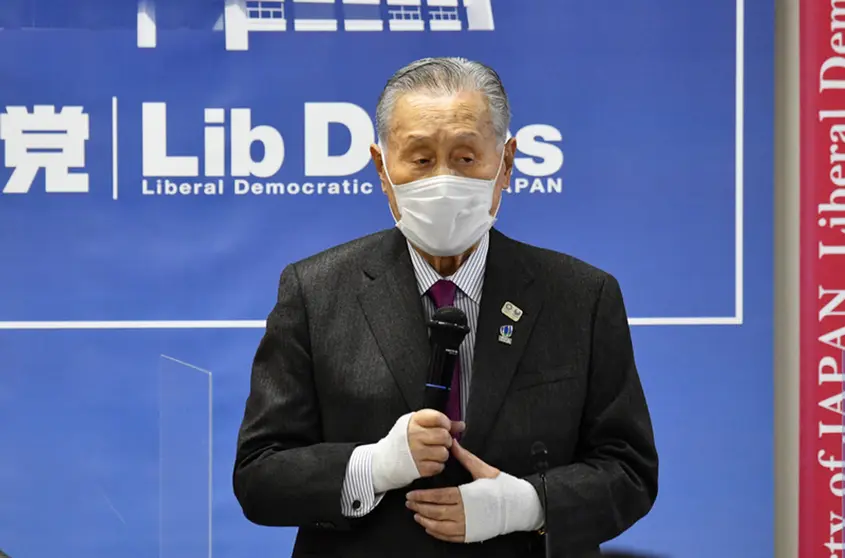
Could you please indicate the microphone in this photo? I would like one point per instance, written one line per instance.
(447, 330)
(540, 460)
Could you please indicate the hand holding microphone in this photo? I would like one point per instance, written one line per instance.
(430, 436)
(417, 446)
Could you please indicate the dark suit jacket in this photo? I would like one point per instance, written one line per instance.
(345, 354)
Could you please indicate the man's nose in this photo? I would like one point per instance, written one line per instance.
(443, 169)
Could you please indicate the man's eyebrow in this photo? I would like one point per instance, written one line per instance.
(468, 134)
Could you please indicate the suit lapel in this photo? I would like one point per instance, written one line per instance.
(391, 303)
(508, 278)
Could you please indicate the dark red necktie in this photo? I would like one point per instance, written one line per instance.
(442, 293)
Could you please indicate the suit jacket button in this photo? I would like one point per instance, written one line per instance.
(356, 504)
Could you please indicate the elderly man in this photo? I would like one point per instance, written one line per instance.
(334, 439)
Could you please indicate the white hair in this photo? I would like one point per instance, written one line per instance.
(446, 76)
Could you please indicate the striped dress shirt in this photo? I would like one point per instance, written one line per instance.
(358, 497)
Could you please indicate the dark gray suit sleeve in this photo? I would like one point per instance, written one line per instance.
(284, 474)
(613, 482)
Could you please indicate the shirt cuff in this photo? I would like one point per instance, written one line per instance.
(358, 498)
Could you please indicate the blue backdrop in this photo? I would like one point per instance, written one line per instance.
(132, 305)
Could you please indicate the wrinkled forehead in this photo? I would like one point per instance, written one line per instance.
(422, 116)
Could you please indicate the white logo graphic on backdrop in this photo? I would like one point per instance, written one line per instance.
(44, 139)
(241, 17)
(229, 167)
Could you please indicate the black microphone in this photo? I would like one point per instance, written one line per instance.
(447, 330)
(540, 460)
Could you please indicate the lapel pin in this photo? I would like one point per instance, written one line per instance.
(506, 334)
(512, 311)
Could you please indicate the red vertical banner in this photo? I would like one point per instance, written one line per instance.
(822, 482)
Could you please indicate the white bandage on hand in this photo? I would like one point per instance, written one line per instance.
(495, 507)
(393, 465)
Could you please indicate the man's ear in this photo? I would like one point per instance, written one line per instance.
(377, 156)
(509, 156)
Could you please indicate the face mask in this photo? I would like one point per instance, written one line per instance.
(445, 215)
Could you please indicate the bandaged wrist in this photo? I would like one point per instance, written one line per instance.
(393, 464)
(494, 507)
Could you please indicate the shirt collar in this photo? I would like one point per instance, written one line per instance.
(469, 277)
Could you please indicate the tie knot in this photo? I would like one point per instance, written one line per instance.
(442, 293)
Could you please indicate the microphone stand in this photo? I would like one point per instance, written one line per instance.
(546, 539)
(540, 457)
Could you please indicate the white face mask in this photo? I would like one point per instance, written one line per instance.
(444, 215)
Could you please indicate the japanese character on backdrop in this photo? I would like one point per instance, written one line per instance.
(45, 139)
